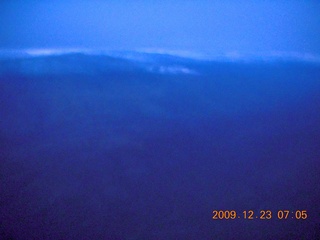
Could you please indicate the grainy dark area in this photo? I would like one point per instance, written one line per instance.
(97, 147)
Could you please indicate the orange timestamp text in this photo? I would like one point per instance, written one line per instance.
(262, 214)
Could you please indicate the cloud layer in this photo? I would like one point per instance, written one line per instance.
(148, 55)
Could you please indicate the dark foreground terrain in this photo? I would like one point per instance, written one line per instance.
(98, 147)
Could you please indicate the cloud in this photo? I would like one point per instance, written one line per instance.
(54, 51)
(306, 57)
(235, 56)
(147, 55)
(178, 53)
(171, 70)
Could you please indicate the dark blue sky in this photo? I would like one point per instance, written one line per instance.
(211, 27)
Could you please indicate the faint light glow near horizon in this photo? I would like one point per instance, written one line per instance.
(199, 29)
(141, 55)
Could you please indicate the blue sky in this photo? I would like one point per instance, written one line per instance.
(210, 27)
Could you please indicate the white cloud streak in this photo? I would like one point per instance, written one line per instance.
(171, 70)
(145, 55)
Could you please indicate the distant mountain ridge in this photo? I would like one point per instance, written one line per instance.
(164, 55)
(92, 63)
(75, 61)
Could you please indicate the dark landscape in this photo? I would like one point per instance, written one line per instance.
(146, 147)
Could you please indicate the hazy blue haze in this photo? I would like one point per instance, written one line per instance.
(102, 147)
(144, 143)
(211, 27)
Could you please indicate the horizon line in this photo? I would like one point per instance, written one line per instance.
(133, 54)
